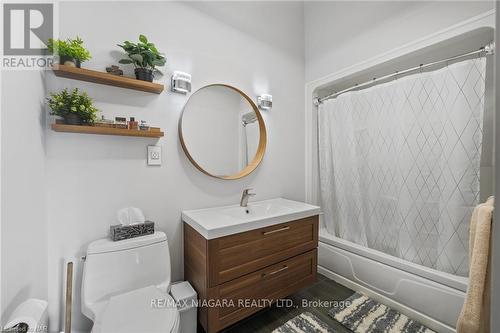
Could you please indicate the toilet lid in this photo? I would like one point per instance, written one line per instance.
(142, 310)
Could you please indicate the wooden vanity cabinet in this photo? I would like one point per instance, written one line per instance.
(234, 275)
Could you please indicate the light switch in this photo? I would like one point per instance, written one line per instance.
(154, 155)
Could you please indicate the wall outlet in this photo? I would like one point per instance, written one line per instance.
(154, 155)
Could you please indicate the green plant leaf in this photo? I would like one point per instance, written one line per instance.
(143, 54)
(153, 48)
(136, 57)
(72, 48)
(64, 103)
(159, 62)
(125, 61)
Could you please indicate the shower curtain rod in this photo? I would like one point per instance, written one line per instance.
(488, 49)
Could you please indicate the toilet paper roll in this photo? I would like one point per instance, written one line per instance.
(33, 313)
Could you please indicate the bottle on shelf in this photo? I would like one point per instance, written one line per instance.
(132, 124)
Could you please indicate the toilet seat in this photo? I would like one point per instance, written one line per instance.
(144, 310)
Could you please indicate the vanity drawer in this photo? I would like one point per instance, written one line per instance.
(271, 283)
(236, 255)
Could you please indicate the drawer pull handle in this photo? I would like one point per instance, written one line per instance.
(276, 271)
(275, 231)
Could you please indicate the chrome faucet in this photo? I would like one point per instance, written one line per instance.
(244, 197)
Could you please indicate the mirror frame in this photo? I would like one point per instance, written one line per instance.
(261, 148)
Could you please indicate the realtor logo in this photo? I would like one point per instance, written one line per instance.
(27, 27)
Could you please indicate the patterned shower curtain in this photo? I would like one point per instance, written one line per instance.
(400, 161)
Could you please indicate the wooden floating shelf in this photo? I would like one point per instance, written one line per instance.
(89, 75)
(106, 131)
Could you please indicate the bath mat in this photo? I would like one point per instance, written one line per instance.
(362, 314)
(305, 322)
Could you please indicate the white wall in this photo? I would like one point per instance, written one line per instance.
(90, 177)
(344, 33)
(24, 223)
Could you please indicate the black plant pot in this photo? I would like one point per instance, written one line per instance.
(144, 74)
(68, 61)
(73, 119)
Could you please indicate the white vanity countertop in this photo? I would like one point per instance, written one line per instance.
(228, 220)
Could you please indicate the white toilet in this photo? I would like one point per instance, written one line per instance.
(126, 284)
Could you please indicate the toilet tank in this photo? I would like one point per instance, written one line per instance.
(113, 268)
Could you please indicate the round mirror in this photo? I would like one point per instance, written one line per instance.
(222, 132)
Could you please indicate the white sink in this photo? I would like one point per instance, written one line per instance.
(223, 221)
(256, 210)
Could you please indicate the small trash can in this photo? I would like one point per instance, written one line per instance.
(29, 316)
(187, 299)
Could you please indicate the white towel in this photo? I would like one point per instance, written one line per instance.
(475, 315)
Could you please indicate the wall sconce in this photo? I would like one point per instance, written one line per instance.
(180, 82)
(265, 101)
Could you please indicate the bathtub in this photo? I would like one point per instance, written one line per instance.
(427, 295)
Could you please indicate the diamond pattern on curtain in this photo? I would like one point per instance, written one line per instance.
(399, 164)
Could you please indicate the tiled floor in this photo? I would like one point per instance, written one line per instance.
(267, 320)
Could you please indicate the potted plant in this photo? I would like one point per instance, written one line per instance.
(74, 107)
(145, 58)
(71, 52)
